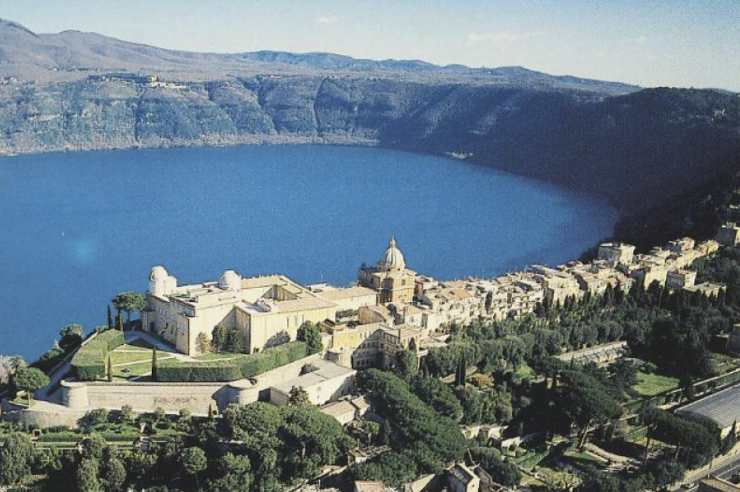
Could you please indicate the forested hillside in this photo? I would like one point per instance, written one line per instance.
(75, 91)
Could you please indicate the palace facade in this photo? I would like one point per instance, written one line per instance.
(267, 310)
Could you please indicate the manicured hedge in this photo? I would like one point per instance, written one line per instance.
(245, 366)
(120, 437)
(68, 436)
(89, 363)
(271, 358)
(198, 371)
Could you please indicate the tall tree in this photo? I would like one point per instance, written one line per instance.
(110, 318)
(16, 455)
(154, 364)
(193, 462)
(585, 402)
(70, 336)
(87, 476)
(129, 302)
(235, 473)
(462, 369)
(298, 396)
(30, 379)
(406, 364)
(114, 474)
(310, 333)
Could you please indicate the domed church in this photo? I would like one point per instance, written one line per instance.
(393, 282)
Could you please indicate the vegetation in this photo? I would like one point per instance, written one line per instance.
(422, 441)
(30, 379)
(129, 302)
(70, 337)
(651, 384)
(89, 363)
(286, 443)
(230, 369)
(310, 334)
(8, 367)
(505, 372)
(226, 339)
(696, 213)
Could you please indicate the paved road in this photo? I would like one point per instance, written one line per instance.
(724, 467)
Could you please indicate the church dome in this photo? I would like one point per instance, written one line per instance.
(392, 258)
(230, 280)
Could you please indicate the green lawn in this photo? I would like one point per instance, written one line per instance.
(133, 370)
(129, 353)
(530, 459)
(581, 459)
(650, 384)
(143, 344)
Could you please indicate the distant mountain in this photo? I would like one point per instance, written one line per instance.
(72, 55)
(638, 147)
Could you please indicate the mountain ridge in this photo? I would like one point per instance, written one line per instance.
(74, 54)
(638, 147)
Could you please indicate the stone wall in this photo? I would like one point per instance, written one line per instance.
(196, 397)
(146, 397)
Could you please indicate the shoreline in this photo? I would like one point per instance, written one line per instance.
(332, 140)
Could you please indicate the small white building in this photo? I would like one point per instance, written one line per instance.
(326, 382)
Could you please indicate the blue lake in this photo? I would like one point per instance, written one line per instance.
(75, 228)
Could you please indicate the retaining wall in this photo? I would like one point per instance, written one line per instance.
(196, 397)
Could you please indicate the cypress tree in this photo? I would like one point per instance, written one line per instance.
(154, 364)
(460, 374)
(110, 318)
(110, 370)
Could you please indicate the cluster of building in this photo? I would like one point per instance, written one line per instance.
(134, 78)
(394, 308)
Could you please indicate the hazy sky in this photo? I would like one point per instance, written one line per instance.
(678, 43)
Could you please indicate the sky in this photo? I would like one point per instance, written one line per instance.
(684, 43)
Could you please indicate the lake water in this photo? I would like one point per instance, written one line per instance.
(75, 228)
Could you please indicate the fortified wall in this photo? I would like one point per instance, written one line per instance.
(77, 397)
(172, 397)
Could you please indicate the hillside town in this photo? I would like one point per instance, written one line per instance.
(209, 348)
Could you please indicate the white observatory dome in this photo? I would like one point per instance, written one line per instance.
(230, 280)
(161, 283)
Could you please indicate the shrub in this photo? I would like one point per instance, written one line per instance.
(198, 372)
(239, 367)
(89, 363)
(67, 436)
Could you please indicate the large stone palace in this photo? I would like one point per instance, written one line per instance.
(267, 310)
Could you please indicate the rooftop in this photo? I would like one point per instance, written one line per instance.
(722, 407)
(348, 293)
(338, 408)
(325, 370)
(369, 486)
